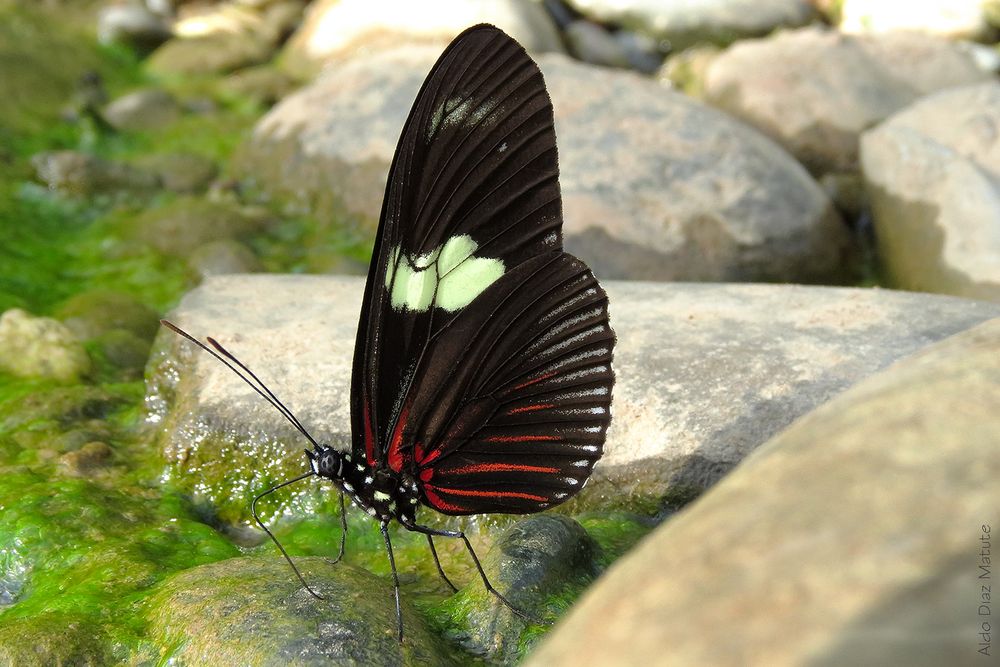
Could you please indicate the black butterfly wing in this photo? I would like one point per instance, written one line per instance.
(469, 244)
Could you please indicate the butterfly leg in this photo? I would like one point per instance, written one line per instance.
(343, 531)
(395, 579)
(475, 559)
(430, 541)
(253, 510)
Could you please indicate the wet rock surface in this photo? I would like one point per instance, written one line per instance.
(706, 373)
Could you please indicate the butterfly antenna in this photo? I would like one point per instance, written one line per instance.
(253, 509)
(223, 355)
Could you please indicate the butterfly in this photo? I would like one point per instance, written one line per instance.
(482, 373)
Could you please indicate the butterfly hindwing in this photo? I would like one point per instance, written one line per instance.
(469, 289)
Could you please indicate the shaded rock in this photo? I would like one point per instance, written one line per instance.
(339, 29)
(142, 110)
(644, 193)
(963, 19)
(133, 25)
(90, 314)
(853, 537)
(74, 173)
(263, 85)
(592, 43)
(125, 352)
(250, 611)
(686, 70)
(815, 91)
(541, 556)
(181, 226)
(221, 257)
(933, 175)
(215, 53)
(40, 347)
(186, 173)
(85, 461)
(685, 24)
(740, 363)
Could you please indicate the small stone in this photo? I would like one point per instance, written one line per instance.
(86, 460)
(126, 352)
(221, 257)
(263, 85)
(185, 173)
(214, 53)
(80, 174)
(40, 347)
(180, 227)
(92, 313)
(142, 110)
(133, 25)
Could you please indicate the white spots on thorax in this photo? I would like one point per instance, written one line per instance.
(371, 511)
(368, 480)
(360, 467)
(379, 495)
(413, 501)
(449, 276)
(348, 487)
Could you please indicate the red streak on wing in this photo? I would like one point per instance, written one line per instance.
(369, 438)
(395, 455)
(501, 467)
(531, 408)
(424, 460)
(522, 438)
(534, 380)
(439, 503)
(492, 494)
(426, 474)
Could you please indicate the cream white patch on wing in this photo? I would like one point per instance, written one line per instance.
(450, 276)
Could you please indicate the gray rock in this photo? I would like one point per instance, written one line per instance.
(685, 22)
(96, 312)
(340, 29)
(592, 43)
(815, 91)
(645, 194)
(245, 611)
(263, 85)
(933, 174)
(854, 537)
(538, 557)
(125, 354)
(42, 347)
(962, 19)
(225, 256)
(214, 53)
(184, 173)
(185, 224)
(142, 110)
(80, 174)
(706, 373)
(134, 25)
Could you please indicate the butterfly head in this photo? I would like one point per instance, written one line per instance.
(326, 462)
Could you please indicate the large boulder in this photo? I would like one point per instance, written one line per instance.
(860, 535)
(335, 30)
(646, 192)
(706, 373)
(815, 91)
(933, 176)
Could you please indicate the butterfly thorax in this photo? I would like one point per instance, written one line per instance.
(380, 491)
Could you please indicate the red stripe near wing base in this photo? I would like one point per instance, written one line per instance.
(438, 503)
(395, 455)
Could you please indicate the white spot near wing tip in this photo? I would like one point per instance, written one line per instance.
(571, 480)
(561, 495)
(502, 148)
(581, 463)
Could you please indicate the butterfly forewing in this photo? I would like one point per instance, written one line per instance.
(483, 355)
